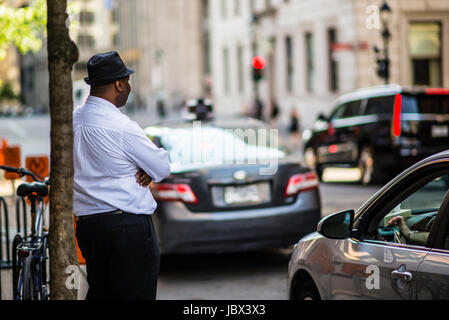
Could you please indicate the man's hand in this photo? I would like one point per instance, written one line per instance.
(143, 179)
(400, 222)
(396, 221)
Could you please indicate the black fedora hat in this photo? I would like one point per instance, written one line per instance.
(104, 68)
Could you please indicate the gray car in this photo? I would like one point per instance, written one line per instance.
(233, 187)
(396, 246)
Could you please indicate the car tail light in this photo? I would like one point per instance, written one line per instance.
(437, 91)
(174, 192)
(333, 148)
(301, 182)
(397, 115)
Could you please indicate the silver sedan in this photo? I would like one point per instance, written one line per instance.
(396, 246)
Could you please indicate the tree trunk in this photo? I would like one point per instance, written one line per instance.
(62, 54)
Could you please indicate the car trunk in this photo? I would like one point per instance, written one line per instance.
(234, 187)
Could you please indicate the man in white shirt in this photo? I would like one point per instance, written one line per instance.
(114, 163)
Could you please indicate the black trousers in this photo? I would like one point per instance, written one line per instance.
(122, 256)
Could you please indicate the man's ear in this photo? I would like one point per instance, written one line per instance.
(118, 86)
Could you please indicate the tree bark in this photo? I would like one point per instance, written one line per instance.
(62, 54)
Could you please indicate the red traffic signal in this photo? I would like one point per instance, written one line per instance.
(259, 62)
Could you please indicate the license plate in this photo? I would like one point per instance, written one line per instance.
(440, 131)
(242, 194)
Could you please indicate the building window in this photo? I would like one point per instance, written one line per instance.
(86, 41)
(237, 7)
(114, 15)
(115, 39)
(289, 56)
(226, 70)
(224, 9)
(86, 18)
(252, 6)
(267, 4)
(425, 53)
(310, 64)
(240, 69)
(80, 66)
(333, 66)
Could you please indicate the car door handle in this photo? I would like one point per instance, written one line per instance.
(401, 275)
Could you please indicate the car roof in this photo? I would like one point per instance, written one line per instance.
(227, 122)
(379, 91)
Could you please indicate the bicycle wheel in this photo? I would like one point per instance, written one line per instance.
(28, 279)
(16, 265)
(42, 270)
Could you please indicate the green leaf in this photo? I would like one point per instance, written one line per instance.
(22, 27)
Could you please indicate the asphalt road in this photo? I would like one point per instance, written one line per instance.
(259, 275)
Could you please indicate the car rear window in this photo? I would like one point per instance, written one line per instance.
(211, 145)
(425, 103)
(380, 105)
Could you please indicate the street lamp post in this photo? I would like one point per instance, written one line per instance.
(384, 63)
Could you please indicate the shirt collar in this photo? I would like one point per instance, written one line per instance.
(92, 100)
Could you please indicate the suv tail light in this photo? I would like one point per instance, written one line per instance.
(174, 192)
(396, 128)
(437, 91)
(301, 182)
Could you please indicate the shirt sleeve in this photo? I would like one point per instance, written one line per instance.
(144, 153)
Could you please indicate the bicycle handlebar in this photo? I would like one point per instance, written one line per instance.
(24, 172)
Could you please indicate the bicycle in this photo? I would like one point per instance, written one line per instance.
(30, 253)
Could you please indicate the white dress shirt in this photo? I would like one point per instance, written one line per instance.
(109, 149)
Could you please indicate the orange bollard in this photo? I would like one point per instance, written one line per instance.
(81, 259)
(3, 146)
(11, 156)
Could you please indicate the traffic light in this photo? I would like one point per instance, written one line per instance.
(258, 66)
(383, 68)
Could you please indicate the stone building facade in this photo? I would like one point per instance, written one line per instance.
(164, 42)
(319, 49)
(94, 29)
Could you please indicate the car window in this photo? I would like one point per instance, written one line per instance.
(380, 105)
(338, 112)
(410, 221)
(213, 145)
(352, 109)
(431, 104)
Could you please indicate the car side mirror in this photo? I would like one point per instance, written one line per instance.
(322, 117)
(337, 226)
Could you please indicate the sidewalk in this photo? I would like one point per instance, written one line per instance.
(6, 279)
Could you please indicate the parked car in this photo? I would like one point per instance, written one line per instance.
(219, 199)
(382, 130)
(368, 254)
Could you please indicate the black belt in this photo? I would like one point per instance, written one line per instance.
(97, 215)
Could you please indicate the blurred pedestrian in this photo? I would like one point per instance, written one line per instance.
(160, 106)
(258, 109)
(114, 163)
(274, 115)
(294, 130)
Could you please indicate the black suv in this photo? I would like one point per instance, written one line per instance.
(381, 130)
